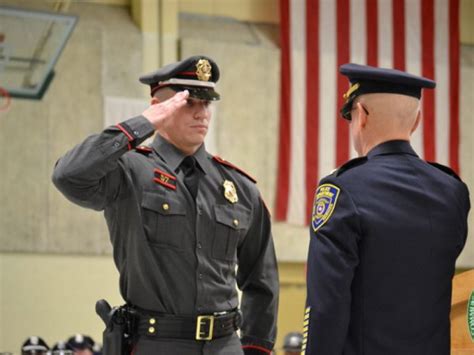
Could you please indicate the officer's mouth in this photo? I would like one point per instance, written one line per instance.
(199, 127)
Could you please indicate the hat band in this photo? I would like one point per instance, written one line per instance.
(189, 82)
(34, 347)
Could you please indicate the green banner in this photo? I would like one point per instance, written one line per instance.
(470, 315)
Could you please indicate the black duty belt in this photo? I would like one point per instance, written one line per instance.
(202, 327)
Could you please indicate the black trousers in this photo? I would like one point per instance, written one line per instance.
(229, 345)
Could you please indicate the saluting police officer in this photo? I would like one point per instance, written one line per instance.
(386, 230)
(180, 221)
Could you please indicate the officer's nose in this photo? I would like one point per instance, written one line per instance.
(202, 111)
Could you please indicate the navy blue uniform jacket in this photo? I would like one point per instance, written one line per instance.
(385, 234)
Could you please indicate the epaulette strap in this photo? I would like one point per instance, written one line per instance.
(350, 164)
(446, 169)
(230, 165)
(143, 149)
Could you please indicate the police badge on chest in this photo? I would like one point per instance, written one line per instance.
(230, 192)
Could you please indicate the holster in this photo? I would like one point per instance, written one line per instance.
(120, 326)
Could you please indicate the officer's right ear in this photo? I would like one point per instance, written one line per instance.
(362, 114)
(417, 122)
(154, 101)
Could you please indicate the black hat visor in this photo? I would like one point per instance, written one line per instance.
(197, 92)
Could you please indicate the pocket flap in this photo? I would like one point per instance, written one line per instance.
(164, 205)
(236, 217)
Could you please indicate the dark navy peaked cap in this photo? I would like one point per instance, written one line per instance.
(34, 345)
(80, 342)
(61, 347)
(365, 79)
(197, 74)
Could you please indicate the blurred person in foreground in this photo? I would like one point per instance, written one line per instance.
(293, 343)
(81, 344)
(34, 345)
(62, 348)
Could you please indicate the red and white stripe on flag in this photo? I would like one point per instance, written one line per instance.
(317, 36)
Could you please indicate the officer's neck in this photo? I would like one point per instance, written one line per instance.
(368, 145)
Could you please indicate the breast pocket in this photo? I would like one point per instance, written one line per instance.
(164, 220)
(232, 224)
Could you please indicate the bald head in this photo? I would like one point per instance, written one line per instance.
(390, 117)
(391, 113)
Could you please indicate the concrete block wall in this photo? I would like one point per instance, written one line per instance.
(102, 58)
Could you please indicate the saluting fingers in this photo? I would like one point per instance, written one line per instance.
(158, 113)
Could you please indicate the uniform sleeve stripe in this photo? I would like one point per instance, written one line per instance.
(129, 136)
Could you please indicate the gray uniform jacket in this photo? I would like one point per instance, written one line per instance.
(174, 255)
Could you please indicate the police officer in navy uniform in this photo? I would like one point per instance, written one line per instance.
(34, 345)
(62, 348)
(81, 344)
(180, 221)
(386, 230)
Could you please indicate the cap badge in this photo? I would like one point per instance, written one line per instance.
(351, 90)
(203, 70)
(230, 192)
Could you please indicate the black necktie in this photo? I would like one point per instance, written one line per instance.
(191, 174)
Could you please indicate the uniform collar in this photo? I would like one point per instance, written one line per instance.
(392, 147)
(173, 156)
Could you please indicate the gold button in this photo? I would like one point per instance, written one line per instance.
(236, 222)
(152, 321)
(166, 207)
(151, 330)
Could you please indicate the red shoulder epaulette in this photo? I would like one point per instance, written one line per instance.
(230, 165)
(143, 149)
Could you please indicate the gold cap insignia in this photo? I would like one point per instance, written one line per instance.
(230, 192)
(351, 90)
(203, 70)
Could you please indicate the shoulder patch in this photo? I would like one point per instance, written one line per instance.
(230, 165)
(445, 168)
(350, 164)
(324, 203)
(143, 149)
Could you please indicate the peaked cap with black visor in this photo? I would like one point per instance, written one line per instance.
(197, 74)
(365, 79)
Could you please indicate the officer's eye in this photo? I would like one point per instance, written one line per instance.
(193, 102)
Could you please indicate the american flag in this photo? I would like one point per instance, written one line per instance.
(317, 36)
